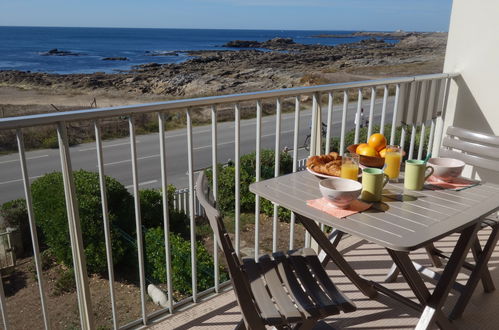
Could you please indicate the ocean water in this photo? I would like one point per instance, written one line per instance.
(21, 48)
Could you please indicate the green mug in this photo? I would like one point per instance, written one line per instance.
(415, 174)
(373, 181)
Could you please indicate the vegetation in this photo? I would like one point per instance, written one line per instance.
(50, 212)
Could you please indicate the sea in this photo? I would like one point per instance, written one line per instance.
(25, 48)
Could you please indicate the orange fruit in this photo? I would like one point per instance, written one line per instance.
(368, 151)
(377, 141)
(360, 146)
(382, 153)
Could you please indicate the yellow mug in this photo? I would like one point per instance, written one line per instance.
(373, 181)
(415, 174)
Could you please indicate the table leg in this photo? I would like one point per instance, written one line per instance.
(363, 285)
(434, 302)
(480, 272)
(334, 237)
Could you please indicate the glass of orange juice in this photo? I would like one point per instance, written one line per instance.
(393, 159)
(350, 166)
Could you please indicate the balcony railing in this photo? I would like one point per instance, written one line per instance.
(414, 103)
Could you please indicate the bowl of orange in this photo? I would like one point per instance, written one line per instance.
(370, 152)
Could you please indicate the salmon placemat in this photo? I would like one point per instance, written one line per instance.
(456, 184)
(324, 205)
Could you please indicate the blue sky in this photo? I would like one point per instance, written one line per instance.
(375, 15)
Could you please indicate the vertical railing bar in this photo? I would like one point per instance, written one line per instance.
(257, 176)
(430, 139)
(402, 137)
(3, 306)
(439, 129)
(371, 112)
(214, 171)
(329, 122)
(422, 139)
(315, 127)
(105, 218)
(32, 228)
(277, 154)
(191, 206)
(383, 110)
(412, 141)
(77, 250)
(343, 121)
(138, 218)
(394, 115)
(237, 142)
(166, 211)
(295, 161)
(357, 116)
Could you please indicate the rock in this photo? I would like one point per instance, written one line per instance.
(115, 59)
(157, 296)
(161, 53)
(243, 44)
(57, 52)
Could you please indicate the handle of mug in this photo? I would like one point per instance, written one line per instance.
(429, 174)
(386, 178)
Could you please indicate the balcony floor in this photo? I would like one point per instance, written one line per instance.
(373, 262)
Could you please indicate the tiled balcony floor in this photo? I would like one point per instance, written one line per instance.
(373, 262)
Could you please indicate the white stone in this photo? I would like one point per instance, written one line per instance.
(157, 296)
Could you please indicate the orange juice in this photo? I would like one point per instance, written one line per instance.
(350, 171)
(392, 161)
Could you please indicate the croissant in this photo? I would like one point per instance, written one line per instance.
(325, 164)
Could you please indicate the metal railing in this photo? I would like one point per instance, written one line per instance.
(418, 102)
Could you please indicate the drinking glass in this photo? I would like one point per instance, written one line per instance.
(350, 166)
(393, 159)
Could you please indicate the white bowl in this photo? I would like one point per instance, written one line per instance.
(340, 192)
(446, 169)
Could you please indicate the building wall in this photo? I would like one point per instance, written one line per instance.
(473, 51)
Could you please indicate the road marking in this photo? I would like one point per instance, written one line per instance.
(29, 158)
(209, 146)
(108, 146)
(12, 181)
(129, 160)
(142, 183)
(283, 132)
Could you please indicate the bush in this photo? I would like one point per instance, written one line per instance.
(50, 212)
(15, 215)
(350, 137)
(65, 283)
(181, 262)
(151, 207)
(226, 182)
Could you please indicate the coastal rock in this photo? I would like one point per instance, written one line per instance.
(243, 44)
(58, 52)
(115, 59)
(148, 53)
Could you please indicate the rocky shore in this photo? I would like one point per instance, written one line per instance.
(277, 63)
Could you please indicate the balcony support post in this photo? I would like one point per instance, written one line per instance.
(79, 261)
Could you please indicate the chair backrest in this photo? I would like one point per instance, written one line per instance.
(473, 148)
(240, 282)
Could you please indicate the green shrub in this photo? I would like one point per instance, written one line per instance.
(226, 182)
(151, 207)
(181, 262)
(50, 212)
(15, 215)
(350, 138)
(65, 283)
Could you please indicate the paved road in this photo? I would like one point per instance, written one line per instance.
(117, 152)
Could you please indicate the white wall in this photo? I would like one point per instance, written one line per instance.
(473, 51)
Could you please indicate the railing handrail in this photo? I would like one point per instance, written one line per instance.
(96, 113)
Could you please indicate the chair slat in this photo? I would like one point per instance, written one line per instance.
(285, 305)
(265, 304)
(293, 286)
(319, 272)
(325, 304)
(471, 159)
(473, 136)
(473, 148)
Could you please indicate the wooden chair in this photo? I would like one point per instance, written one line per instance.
(283, 289)
(481, 151)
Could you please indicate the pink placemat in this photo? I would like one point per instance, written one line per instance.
(456, 184)
(323, 205)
